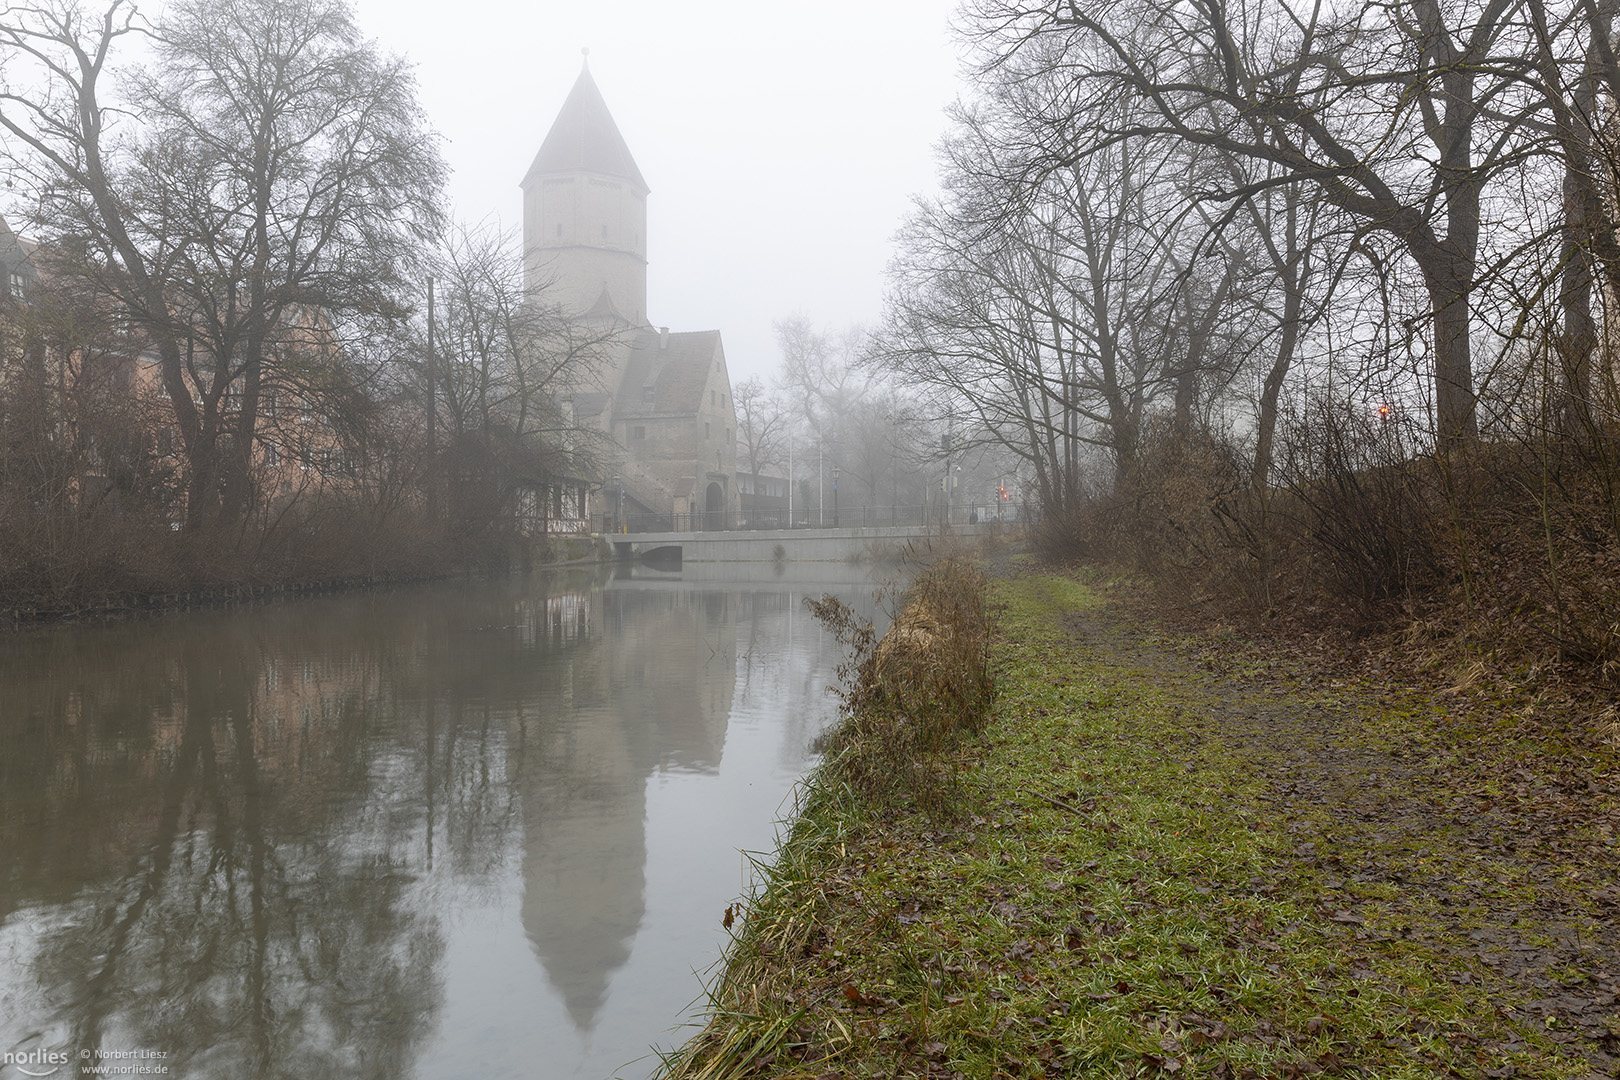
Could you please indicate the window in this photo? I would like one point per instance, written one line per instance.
(604, 232)
(270, 404)
(646, 393)
(705, 429)
(272, 454)
(711, 397)
(638, 432)
(304, 412)
(559, 228)
(728, 434)
(16, 284)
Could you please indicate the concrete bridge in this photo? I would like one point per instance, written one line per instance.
(861, 544)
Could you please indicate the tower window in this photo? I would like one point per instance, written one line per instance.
(638, 432)
(559, 228)
(705, 430)
(604, 232)
(711, 397)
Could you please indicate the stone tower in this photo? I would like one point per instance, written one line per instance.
(585, 213)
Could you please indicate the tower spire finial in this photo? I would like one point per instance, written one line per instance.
(586, 53)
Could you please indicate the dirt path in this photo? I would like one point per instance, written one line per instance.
(1486, 837)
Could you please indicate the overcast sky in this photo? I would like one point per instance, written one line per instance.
(782, 142)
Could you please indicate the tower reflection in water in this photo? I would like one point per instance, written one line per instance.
(650, 689)
(333, 839)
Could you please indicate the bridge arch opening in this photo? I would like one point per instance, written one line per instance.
(665, 557)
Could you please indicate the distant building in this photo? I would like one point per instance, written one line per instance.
(664, 398)
(113, 411)
(17, 271)
(764, 500)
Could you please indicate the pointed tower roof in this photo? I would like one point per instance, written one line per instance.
(584, 138)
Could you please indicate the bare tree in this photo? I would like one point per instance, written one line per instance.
(256, 194)
(761, 426)
(507, 360)
(1398, 114)
(1050, 318)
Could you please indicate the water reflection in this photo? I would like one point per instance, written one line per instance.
(658, 699)
(459, 831)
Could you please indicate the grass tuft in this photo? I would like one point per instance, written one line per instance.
(911, 695)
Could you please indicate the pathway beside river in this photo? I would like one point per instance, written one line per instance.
(1193, 856)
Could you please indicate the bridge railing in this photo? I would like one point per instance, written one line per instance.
(848, 517)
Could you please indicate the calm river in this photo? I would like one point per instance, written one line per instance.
(474, 831)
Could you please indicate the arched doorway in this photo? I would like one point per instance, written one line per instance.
(714, 507)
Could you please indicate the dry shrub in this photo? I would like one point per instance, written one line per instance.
(1162, 516)
(1058, 535)
(1537, 555)
(908, 696)
(1170, 525)
(1371, 514)
(1508, 548)
(1352, 521)
(59, 560)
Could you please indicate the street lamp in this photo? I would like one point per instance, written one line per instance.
(618, 510)
(835, 496)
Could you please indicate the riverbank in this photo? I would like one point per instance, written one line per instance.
(1194, 857)
(198, 586)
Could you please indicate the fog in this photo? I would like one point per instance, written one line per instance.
(782, 150)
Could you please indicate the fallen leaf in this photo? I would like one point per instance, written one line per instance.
(857, 998)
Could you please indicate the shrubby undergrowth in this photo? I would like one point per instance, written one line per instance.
(909, 695)
(1506, 548)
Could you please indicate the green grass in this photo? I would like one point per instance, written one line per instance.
(1114, 901)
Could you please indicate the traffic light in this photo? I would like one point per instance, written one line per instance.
(1001, 492)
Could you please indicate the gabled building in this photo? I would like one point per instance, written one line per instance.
(664, 398)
